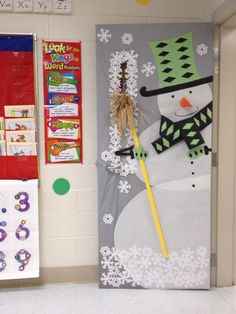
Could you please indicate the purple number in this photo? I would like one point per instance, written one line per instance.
(3, 233)
(23, 204)
(3, 264)
(23, 257)
(22, 233)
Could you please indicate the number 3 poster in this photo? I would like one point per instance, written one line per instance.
(62, 102)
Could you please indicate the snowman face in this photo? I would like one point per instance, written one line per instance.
(185, 103)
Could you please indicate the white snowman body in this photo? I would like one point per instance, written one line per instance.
(181, 188)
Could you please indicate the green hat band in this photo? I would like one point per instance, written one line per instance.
(175, 61)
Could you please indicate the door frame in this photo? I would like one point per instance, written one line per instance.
(225, 18)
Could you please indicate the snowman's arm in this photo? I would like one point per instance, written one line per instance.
(127, 151)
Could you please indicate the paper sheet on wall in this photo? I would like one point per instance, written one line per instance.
(19, 238)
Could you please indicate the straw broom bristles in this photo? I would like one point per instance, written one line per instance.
(122, 111)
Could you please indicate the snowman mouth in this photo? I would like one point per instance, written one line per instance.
(185, 114)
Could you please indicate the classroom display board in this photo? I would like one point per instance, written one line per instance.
(62, 102)
(154, 179)
(19, 247)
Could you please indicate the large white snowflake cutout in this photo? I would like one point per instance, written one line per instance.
(127, 38)
(202, 49)
(108, 219)
(142, 266)
(148, 69)
(124, 186)
(104, 35)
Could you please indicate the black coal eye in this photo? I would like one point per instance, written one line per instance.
(173, 96)
(190, 92)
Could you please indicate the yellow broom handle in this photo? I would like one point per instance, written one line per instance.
(151, 199)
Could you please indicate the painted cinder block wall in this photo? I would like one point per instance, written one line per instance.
(68, 224)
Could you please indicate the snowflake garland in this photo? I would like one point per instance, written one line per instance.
(117, 58)
(202, 49)
(141, 266)
(124, 187)
(118, 164)
(127, 38)
(104, 35)
(108, 219)
(148, 69)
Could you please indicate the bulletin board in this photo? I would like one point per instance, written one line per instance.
(165, 71)
(19, 240)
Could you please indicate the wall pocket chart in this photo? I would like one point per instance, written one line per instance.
(19, 240)
(62, 102)
(162, 75)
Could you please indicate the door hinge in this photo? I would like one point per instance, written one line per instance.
(213, 260)
(214, 161)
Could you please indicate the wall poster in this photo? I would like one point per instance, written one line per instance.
(62, 102)
(158, 79)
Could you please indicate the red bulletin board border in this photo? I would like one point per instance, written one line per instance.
(61, 59)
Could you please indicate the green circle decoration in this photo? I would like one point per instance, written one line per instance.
(61, 186)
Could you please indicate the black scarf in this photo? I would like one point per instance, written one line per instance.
(187, 130)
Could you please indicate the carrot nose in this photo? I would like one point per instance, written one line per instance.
(184, 102)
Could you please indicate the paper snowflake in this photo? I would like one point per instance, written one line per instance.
(108, 219)
(124, 186)
(148, 69)
(184, 269)
(127, 38)
(106, 155)
(114, 274)
(202, 49)
(104, 35)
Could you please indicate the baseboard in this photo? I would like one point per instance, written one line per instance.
(73, 274)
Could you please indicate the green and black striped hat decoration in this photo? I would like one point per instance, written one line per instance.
(176, 65)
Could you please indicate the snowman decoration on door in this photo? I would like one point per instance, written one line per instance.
(179, 166)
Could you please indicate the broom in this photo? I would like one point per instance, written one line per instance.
(122, 114)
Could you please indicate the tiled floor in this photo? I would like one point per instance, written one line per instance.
(88, 299)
